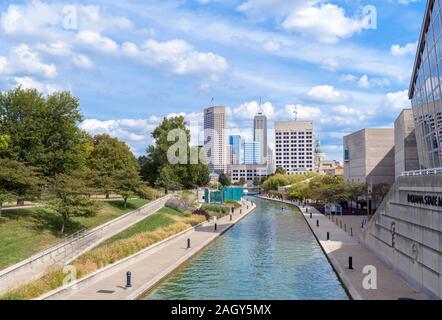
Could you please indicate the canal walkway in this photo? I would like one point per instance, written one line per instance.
(341, 246)
(149, 266)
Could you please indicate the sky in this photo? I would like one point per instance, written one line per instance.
(344, 64)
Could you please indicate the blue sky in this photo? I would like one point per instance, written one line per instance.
(133, 62)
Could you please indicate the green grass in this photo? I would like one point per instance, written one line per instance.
(24, 232)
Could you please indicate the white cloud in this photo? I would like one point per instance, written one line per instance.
(23, 60)
(248, 110)
(365, 82)
(398, 100)
(327, 22)
(408, 49)
(264, 9)
(325, 93)
(96, 41)
(29, 83)
(56, 48)
(3, 64)
(303, 112)
(82, 61)
(176, 56)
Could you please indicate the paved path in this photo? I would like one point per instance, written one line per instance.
(390, 285)
(150, 267)
(64, 252)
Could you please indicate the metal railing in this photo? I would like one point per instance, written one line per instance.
(70, 246)
(423, 172)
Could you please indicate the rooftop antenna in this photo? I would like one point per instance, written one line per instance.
(260, 110)
(296, 113)
(211, 102)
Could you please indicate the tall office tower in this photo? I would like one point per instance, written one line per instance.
(294, 146)
(215, 140)
(252, 152)
(260, 135)
(425, 95)
(236, 143)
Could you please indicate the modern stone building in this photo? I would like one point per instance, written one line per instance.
(215, 140)
(406, 155)
(260, 136)
(406, 230)
(248, 172)
(294, 146)
(369, 156)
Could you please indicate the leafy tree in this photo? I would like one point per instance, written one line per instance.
(4, 141)
(69, 199)
(256, 181)
(127, 184)
(107, 157)
(355, 191)
(18, 181)
(168, 179)
(224, 180)
(280, 170)
(43, 131)
(188, 175)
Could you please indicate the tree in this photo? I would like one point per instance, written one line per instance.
(69, 198)
(189, 174)
(18, 181)
(355, 191)
(127, 184)
(224, 180)
(168, 179)
(43, 132)
(280, 170)
(4, 141)
(107, 157)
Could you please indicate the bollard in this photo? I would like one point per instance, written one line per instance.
(345, 228)
(351, 232)
(311, 215)
(350, 263)
(328, 236)
(216, 227)
(231, 218)
(129, 279)
(317, 223)
(233, 209)
(188, 243)
(240, 211)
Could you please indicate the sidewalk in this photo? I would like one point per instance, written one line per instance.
(148, 267)
(390, 285)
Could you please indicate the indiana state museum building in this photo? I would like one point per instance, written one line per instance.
(406, 229)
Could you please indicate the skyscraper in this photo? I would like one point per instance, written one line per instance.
(215, 140)
(236, 143)
(260, 136)
(294, 146)
(252, 152)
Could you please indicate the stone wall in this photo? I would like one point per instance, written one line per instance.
(406, 231)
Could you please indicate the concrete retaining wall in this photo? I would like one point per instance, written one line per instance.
(408, 235)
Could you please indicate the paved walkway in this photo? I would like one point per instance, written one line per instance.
(150, 267)
(37, 265)
(390, 285)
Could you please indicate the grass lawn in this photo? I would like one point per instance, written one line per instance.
(149, 231)
(24, 232)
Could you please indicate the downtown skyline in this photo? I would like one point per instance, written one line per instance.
(133, 63)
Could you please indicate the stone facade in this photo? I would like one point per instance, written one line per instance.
(406, 155)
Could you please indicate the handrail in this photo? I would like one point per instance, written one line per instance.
(423, 172)
(82, 234)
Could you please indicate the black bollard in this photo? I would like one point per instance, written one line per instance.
(317, 223)
(231, 218)
(328, 236)
(188, 243)
(216, 227)
(350, 263)
(233, 209)
(240, 211)
(129, 279)
(311, 215)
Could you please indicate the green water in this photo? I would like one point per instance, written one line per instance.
(268, 255)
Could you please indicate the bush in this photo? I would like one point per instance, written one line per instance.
(234, 203)
(216, 210)
(202, 212)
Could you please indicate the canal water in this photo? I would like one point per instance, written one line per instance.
(269, 255)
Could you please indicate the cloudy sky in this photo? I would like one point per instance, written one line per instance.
(133, 62)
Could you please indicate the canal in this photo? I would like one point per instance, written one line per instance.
(269, 255)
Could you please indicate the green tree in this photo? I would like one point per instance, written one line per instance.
(224, 180)
(190, 174)
(4, 141)
(70, 199)
(280, 170)
(127, 184)
(355, 191)
(43, 131)
(107, 157)
(18, 181)
(168, 179)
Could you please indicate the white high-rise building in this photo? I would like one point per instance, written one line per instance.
(295, 146)
(260, 136)
(215, 139)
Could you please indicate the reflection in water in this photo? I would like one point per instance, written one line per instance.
(269, 255)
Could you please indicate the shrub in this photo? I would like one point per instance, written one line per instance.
(235, 204)
(202, 212)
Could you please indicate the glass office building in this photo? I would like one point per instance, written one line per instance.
(236, 142)
(426, 86)
(252, 152)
